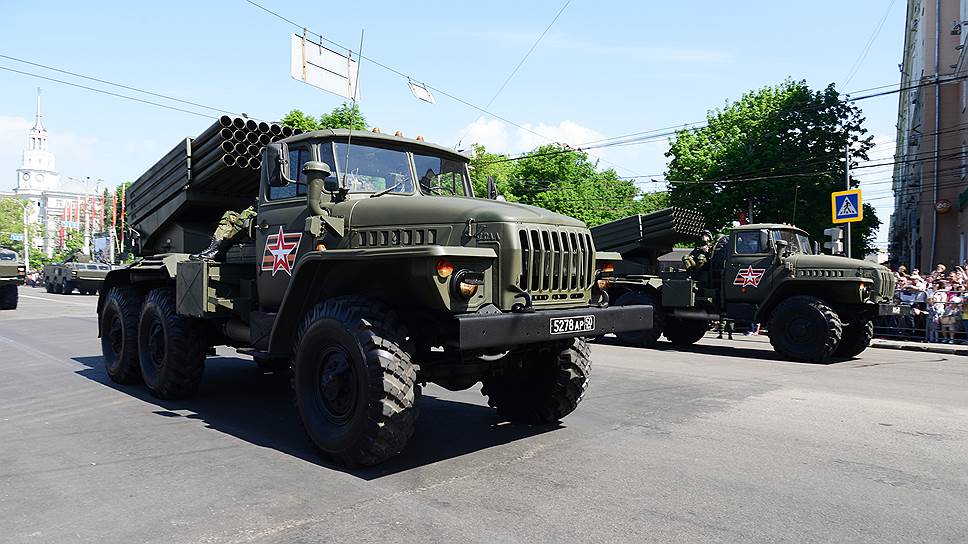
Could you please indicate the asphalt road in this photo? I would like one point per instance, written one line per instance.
(721, 443)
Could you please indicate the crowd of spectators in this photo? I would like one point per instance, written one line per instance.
(939, 306)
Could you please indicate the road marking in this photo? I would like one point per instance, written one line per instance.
(57, 301)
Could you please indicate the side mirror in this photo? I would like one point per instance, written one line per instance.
(275, 165)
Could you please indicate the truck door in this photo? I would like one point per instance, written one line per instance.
(279, 231)
(748, 274)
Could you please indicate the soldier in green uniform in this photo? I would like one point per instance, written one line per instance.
(699, 256)
(230, 226)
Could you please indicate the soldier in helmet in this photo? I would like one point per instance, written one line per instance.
(699, 256)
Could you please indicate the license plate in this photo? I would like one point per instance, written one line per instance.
(568, 325)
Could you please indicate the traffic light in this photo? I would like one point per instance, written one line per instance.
(835, 245)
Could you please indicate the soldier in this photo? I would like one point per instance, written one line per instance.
(699, 256)
(230, 226)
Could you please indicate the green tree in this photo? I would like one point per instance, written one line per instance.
(11, 224)
(484, 165)
(779, 152)
(346, 115)
(298, 119)
(565, 181)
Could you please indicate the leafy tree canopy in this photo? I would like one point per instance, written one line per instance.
(346, 115)
(562, 180)
(778, 151)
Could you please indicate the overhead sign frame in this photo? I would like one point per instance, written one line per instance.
(317, 65)
(846, 206)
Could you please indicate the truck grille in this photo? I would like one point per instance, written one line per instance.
(885, 284)
(556, 262)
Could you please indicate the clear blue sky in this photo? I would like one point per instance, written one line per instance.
(604, 69)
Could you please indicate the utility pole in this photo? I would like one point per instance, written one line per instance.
(847, 186)
(26, 235)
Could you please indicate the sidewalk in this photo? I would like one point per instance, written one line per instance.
(930, 347)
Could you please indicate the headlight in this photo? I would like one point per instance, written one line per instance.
(466, 283)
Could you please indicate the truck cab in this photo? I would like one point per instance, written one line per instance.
(12, 273)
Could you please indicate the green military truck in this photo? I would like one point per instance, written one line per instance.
(12, 274)
(76, 271)
(815, 306)
(370, 269)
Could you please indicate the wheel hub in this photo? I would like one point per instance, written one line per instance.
(115, 335)
(156, 344)
(336, 385)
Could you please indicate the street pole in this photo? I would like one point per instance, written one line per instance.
(847, 186)
(26, 237)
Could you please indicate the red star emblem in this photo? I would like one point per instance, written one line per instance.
(749, 276)
(278, 252)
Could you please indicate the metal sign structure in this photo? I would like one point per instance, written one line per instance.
(846, 206)
(421, 91)
(321, 67)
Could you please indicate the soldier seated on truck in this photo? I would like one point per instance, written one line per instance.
(699, 256)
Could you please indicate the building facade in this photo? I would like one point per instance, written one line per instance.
(47, 198)
(930, 219)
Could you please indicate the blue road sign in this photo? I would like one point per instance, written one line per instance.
(846, 206)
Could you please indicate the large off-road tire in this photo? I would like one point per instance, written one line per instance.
(48, 286)
(67, 288)
(119, 334)
(171, 348)
(9, 297)
(685, 332)
(856, 338)
(354, 380)
(540, 386)
(805, 329)
(646, 337)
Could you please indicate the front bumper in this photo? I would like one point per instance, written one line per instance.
(480, 331)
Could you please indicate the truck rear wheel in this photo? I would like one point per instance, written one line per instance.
(119, 335)
(805, 329)
(9, 297)
(856, 338)
(170, 347)
(540, 386)
(355, 381)
(646, 337)
(685, 332)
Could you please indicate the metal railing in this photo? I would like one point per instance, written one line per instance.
(939, 322)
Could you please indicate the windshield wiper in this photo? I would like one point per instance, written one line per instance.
(387, 190)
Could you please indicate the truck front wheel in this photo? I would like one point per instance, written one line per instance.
(170, 347)
(8, 297)
(805, 329)
(540, 386)
(857, 337)
(647, 337)
(354, 380)
(119, 335)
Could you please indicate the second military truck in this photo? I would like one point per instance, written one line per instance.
(12, 274)
(814, 306)
(370, 268)
(75, 272)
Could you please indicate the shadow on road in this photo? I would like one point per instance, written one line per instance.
(741, 349)
(238, 398)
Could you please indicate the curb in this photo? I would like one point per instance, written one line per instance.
(929, 348)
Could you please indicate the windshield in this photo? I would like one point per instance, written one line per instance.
(798, 242)
(440, 176)
(370, 169)
(7, 256)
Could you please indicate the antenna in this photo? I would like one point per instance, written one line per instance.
(356, 86)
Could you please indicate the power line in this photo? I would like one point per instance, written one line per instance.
(867, 48)
(126, 97)
(119, 85)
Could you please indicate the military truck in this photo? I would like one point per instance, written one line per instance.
(814, 306)
(12, 274)
(369, 270)
(76, 271)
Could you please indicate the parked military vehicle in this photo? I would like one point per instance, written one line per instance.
(76, 271)
(370, 269)
(12, 274)
(815, 306)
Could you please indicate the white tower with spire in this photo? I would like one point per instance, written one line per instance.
(38, 171)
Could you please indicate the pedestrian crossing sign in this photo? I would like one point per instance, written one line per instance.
(847, 206)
